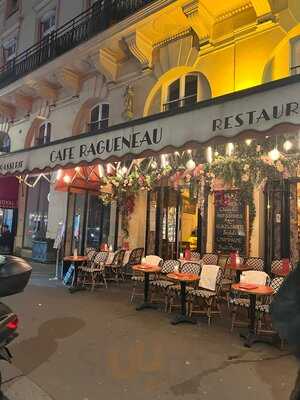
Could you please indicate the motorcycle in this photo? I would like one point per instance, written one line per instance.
(14, 276)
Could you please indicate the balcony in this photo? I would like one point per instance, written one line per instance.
(98, 18)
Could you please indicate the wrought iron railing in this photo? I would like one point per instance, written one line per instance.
(102, 15)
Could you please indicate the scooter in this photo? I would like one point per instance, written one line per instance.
(14, 276)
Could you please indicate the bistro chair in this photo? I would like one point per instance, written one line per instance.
(174, 290)
(135, 258)
(228, 279)
(206, 296)
(159, 286)
(277, 266)
(195, 256)
(90, 252)
(210, 259)
(139, 279)
(255, 263)
(93, 275)
(116, 267)
(264, 325)
(242, 302)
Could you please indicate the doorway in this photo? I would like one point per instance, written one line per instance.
(173, 223)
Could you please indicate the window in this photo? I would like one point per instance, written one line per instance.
(295, 56)
(12, 7)
(9, 50)
(44, 136)
(47, 24)
(4, 142)
(182, 92)
(36, 217)
(99, 117)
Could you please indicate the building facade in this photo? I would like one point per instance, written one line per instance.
(193, 77)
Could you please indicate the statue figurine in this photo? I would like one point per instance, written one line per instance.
(128, 103)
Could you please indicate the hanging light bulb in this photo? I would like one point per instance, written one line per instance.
(164, 160)
(77, 169)
(101, 171)
(154, 164)
(216, 153)
(287, 145)
(274, 154)
(67, 179)
(124, 170)
(209, 154)
(230, 149)
(189, 151)
(190, 165)
(248, 142)
(58, 175)
(176, 153)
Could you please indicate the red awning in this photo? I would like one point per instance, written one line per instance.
(9, 190)
(78, 179)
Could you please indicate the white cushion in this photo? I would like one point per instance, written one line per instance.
(255, 277)
(153, 260)
(208, 277)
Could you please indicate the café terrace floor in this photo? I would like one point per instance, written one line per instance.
(91, 346)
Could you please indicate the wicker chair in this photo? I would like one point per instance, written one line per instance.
(116, 267)
(276, 266)
(255, 263)
(160, 286)
(206, 299)
(264, 324)
(139, 279)
(94, 274)
(195, 256)
(228, 279)
(135, 258)
(239, 302)
(210, 259)
(174, 290)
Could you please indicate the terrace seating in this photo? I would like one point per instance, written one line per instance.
(240, 302)
(174, 290)
(159, 286)
(116, 267)
(277, 266)
(139, 279)
(195, 256)
(206, 296)
(95, 274)
(255, 263)
(135, 258)
(210, 259)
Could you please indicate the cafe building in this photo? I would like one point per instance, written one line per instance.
(164, 125)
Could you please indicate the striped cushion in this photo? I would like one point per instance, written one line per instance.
(264, 308)
(240, 302)
(202, 293)
(160, 283)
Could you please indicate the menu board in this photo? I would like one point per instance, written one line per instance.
(230, 229)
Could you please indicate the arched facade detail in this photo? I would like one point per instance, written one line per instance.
(33, 131)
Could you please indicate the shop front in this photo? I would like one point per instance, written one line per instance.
(210, 177)
(9, 189)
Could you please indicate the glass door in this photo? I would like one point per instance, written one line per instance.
(98, 222)
(78, 222)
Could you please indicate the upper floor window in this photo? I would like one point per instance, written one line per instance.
(100, 117)
(182, 92)
(295, 56)
(4, 142)
(9, 50)
(44, 135)
(12, 6)
(47, 24)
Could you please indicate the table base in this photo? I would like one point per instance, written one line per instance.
(146, 306)
(183, 319)
(252, 338)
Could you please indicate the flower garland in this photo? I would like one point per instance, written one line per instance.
(249, 167)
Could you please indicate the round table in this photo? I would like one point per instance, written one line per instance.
(146, 269)
(259, 290)
(238, 268)
(76, 260)
(183, 278)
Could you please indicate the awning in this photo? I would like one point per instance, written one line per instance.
(9, 189)
(269, 108)
(78, 180)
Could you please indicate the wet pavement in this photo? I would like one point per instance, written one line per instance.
(89, 346)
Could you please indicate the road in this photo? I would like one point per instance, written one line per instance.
(88, 346)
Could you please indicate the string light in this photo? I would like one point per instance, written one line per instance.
(67, 179)
(124, 170)
(77, 169)
(274, 154)
(101, 171)
(164, 160)
(287, 145)
(248, 142)
(209, 155)
(190, 165)
(154, 164)
(230, 149)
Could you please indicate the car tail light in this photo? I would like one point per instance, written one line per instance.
(13, 325)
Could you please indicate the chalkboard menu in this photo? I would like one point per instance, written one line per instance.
(230, 229)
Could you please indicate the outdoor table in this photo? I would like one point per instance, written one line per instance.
(147, 269)
(183, 279)
(76, 260)
(238, 269)
(258, 290)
